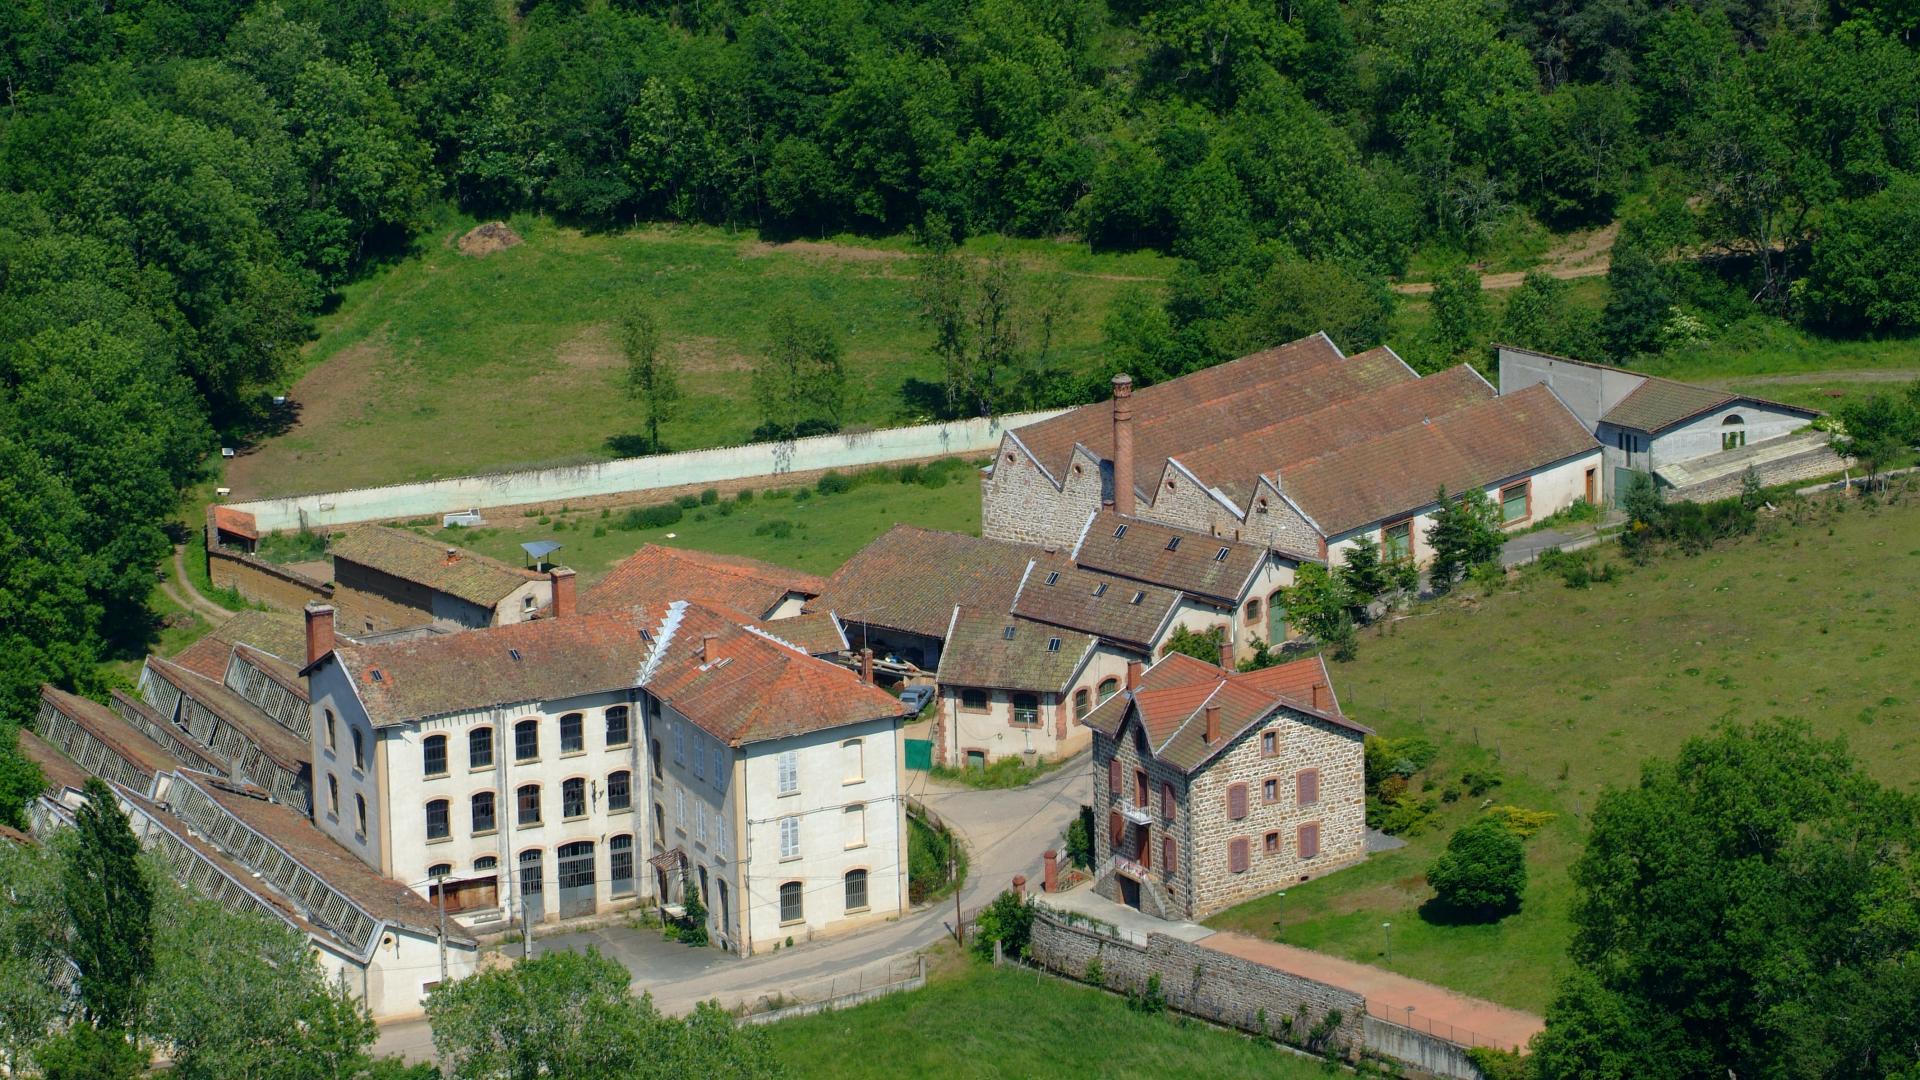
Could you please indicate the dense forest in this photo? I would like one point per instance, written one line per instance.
(184, 184)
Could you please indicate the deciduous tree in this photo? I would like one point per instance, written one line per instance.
(1483, 872)
(653, 380)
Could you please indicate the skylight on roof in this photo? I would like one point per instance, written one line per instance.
(1053, 576)
(1008, 634)
(1137, 597)
(1173, 544)
(1220, 556)
(515, 653)
(1053, 644)
(1119, 532)
(1100, 589)
(377, 677)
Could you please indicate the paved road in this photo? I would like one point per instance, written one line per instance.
(1005, 833)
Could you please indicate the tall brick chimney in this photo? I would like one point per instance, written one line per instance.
(1123, 444)
(709, 648)
(319, 631)
(1317, 689)
(563, 592)
(1213, 724)
(1133, 674)
(866, 666)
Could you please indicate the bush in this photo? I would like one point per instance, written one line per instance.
(649, 517)
(745, 497)
(694, 930)
(687, 502)
(1009, 921)
(709, 496)
(778, 528)
(930, 851)
(1080, 840)
(1483, 872)
(833, 483)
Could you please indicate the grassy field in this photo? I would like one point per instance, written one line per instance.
(974, 1020)
(816, 533)
(1564, 692)
(446, 364)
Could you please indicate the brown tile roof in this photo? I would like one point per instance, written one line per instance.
(286, 749)
(287, 675)
(382, 897)
(411, 557)
(658, 574)
(1192, 562)
(1232, 464)
(1171, 700)
(1657, 404)
(1182, 415)
(1397, 472)
(759, 689)
(206, 657)
(819, 633)
(911, 579)
(405, 680)
(56, 768)
(1128, 613)
(1037, 657)
(179, 744)
(238, 522)
(277, 633)
(131, 745)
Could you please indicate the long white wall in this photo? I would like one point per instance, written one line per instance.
(636, 474)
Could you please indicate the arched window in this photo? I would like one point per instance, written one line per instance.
(486, 862)
(573, 798)
(360, 814)
(439, 869)
(527, 804)
(1733, 434)
(1026, 709)
(359, 750)
(484, 818)
(438, 827)
(526, 740)
(856, 890)
(617, 730)
(620, 865)
(790, 902)
(333, 795)
(1108, 688)
(573, 736)
(480, 748)
(433, 755)
(853, 825)
(1733, 420)
(619, 791)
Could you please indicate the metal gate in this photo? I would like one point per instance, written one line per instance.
(533, 886)
(919, 754)
(576, 879)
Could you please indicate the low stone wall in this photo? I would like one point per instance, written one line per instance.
(1817, 462)
(1427, 1053)
(1201, 982)
(262, 582)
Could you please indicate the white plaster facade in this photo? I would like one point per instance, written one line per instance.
(1549, 490)
(976, 720)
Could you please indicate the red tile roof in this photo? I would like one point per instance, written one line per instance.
(1174, 693)
(819, 633)
(1399, 471)
(911, 579)
(238, 522)
(657, 574)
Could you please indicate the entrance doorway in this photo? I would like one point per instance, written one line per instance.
(533, 886)
(576, 879)
(1129, 892)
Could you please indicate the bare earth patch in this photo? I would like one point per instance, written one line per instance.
(1582, 255)
(327, 396)
(487, 238)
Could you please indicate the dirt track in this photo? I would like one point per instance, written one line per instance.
(1582, 256)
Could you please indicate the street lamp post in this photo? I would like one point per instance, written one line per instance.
(1386, 932)
(1278, 918)
(440, 891)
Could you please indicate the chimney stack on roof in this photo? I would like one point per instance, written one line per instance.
(1213, 724)
(319, 631)
(1226, 653)
(866, 666)
(563, 592)
(1133, 674)
(709, 648)
(453, 555)
(1123, 444)
(1317, 689)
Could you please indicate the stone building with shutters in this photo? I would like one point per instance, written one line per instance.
(1213, 787)
(591, 761)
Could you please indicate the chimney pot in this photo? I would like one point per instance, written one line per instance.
(563, 592)
(319, 631)
(1123, 445)
(1133, 674)
(866, 666)
(1213, 724)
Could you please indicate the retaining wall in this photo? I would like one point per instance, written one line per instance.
(1427, 1053)
(263, 582)
(1814, 463)
(651, 474)
(1199, 981)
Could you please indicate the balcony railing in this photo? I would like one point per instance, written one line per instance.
(1137, 814)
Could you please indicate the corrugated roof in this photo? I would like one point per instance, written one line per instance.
(1171, 701)
(1398, 472)
(409, 556)
(657, 573)
(1193, 562)
(1125, 612)
(911, 579)
(993, 649)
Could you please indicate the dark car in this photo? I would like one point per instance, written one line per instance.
(916, 697)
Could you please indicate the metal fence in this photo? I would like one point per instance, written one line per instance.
(1410, 1018)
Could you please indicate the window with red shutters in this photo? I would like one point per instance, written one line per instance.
(1307, 784)
(1166, 801)
(1116, 829)
(1309, 840)
(1237, 801)
(1237, 856)
(1113, 777)
(1166, 855)
(1140, 787)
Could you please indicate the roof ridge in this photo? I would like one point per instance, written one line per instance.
(1220, 683)
(669, 623)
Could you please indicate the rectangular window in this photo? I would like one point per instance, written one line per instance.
(1396, 541)
(1166, 802)
(1113, 778)
(526, 740)
(680, 743)
(1308, 841)
(680, 810)
(789, 837)
(1237, 801)
(699, 760)
(617, 730)
(700, 823)
(573, 798)
(854, 753)
(854, 825)
(621, 864)
(1167, 865)
(483, 816)
(1116, 830)
(438, 827)
(529, 805)
(480, 748)
(1307, 786)
(620, 791)
(435, 755)
(1140, 787)
(1273, 843)
(1516, 502)
(973, 700)
(1269, 744)
(719, 769)
(1238, 857)
(573, 733)
(788, 767)
(1270, 790)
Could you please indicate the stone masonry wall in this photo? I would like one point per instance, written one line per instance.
(1173, 881)
(1019, 503)
(262, 582)
(1201, 982)
(1812, 465)
(1305, 743)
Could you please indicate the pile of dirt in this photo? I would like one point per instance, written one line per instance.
(487, 238)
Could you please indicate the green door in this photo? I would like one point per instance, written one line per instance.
(1276, 619)
(919, 754)
(1622, 480)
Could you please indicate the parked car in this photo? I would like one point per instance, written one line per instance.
(916, 697)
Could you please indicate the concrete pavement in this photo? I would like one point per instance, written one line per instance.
(1004, 831)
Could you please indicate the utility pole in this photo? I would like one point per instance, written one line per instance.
(440, 889)
(953, 871)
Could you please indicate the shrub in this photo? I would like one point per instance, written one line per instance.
(803, 495)
(1523, 822)
(1096, 975)
(833, 483)
(1153, 999)
(709, 496)
(908, 473)
(1009, 921)
(745, 497)
(1500, 1064)
(778, 528)
(1483, 872)
(1080, 839)
(687, 502)
(649, 517)
(694, 930)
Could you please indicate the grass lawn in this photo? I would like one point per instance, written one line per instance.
(1565, 692)
(449, 364)
(974, 1020)
(815, 534)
